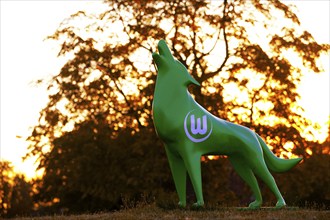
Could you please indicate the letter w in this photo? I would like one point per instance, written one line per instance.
(198, 129)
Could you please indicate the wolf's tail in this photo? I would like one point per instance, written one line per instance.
(274, 163)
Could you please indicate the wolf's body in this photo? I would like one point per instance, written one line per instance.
(189, 131)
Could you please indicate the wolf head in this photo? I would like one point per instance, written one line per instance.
(170, 68)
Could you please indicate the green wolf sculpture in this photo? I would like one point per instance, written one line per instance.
(189, 131)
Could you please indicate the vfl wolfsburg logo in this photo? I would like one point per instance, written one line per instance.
(200, 126)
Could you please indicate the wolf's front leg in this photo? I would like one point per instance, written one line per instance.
(179, 174)
(193, 165)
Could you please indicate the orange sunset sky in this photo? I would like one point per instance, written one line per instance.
(25, 57)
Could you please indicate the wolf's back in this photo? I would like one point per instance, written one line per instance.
(274, 163)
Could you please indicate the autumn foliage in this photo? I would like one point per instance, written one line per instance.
(95, 138)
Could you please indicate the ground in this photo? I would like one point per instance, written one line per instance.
(154, 212)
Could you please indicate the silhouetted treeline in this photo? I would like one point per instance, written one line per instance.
(112, 176)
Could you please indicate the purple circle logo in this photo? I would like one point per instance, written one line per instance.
(198, 127)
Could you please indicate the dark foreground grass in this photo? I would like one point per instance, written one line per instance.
(154, 212)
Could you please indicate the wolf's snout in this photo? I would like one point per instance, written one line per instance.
(157, 59)
(165, 51)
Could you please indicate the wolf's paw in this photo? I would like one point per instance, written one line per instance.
(182, 204)
(255, 205)
(198, 204)
(280, 204)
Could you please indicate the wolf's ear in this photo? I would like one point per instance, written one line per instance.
(165, 51)
(193, 81)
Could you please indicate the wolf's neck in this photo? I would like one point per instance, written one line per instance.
(166, 94)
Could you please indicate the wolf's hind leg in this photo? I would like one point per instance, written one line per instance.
(247, 175)
(261, 170)
(179, 174)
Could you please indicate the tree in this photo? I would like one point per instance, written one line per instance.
(310, 180)
(15, 192)
(5, 187)
(89, 171)
(246, 78)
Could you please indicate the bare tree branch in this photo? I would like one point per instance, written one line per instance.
(224, 19)
(105, 69)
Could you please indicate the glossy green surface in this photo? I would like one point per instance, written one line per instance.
(189, 131)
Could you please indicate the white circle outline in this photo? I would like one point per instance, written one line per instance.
(188, 134)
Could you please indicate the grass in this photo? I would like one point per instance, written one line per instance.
(155, 212)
